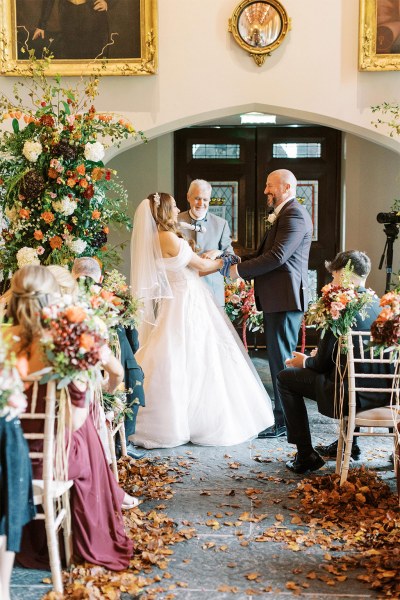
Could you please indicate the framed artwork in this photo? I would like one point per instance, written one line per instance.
(379, 35)
(80, 34)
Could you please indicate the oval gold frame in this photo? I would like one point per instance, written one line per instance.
(259, 54)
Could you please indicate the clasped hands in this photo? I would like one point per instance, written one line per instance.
(298, 360)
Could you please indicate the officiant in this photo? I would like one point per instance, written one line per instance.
(210, 233)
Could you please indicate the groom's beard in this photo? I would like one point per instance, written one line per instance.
(271, 201)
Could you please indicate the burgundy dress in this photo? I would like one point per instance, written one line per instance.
(97, 526)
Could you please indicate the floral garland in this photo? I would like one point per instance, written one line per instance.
(241, 308)
(57, 199)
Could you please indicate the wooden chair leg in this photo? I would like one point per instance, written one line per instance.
(112, 452)
(52, 545)
(67, 529)
(347, 453)
(339, 454)
(122, 439)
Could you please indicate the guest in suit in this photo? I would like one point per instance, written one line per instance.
(216, 237)
(280, 272)
(86, 266)
(314, 376)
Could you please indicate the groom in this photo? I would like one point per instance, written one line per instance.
(280, 272)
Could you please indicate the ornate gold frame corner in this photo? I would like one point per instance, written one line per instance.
(368, 59)
(146, 64)
(259, 54)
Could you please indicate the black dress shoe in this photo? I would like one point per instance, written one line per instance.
(274, 431)
(330, 451)
(131, 450)
(312, 462)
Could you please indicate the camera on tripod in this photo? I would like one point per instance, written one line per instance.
(390, 217)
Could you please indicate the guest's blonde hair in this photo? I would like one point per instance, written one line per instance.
(32, 288)
(66, 282)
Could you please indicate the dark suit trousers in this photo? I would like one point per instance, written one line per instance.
(294, 385)
(281, 333)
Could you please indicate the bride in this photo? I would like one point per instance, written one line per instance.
(200, 386)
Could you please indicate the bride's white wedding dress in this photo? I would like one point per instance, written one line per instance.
(199, 385)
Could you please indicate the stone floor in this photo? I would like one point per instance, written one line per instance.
(212, 487)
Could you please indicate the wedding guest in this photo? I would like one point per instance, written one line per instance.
(96, 499)
(16, 500)
(211, 235)
(279, 268)
(313, 377)
(65, 280)
(133, 374)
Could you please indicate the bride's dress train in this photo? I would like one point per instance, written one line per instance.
(199, 384)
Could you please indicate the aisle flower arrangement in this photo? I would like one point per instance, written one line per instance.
(385, 330)
(74, 342)
(57, 199)
(241, 308)
(337, 308)
(127, 305)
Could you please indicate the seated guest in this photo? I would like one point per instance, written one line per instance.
(313, 377)
(66, 282)
(96, 499)
(129, 344)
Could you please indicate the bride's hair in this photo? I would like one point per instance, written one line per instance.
(32, 288)
(161, 208)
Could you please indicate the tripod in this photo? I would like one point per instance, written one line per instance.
(392, 232)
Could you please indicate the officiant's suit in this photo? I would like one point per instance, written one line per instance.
(317, 382)
(216, 237)
(280, 272)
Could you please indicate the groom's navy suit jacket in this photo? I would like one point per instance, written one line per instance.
(280, 265)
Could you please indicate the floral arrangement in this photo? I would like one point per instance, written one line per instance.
(115, 406)
(385, 330)
(12, 397)
(338, 307)
(57, 199)
(241, 308)
(74, 342)
(128, 306)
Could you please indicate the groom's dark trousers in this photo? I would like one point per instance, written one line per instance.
(280, 272)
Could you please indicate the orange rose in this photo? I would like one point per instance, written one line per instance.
(95, 301)
(24, 213)
(71, 182)
(52, 173)
(385, 315)
(81, 169)
(75, 314)
(106, 229)
(83, 183)
(97, 173)
(96, 214)
(86, 341)
(116, 301)
(56, 242)
(38, 235)
(47, 217)
(106, 295)
(343, 299)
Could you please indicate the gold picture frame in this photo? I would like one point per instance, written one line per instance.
(131, 46)
(379, 36)
(259, 27)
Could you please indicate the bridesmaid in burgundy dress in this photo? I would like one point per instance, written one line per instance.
(96, 498)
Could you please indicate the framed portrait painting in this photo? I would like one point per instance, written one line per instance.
(379, 36)
(114, 37)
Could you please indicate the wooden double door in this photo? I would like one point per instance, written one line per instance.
(237, 160)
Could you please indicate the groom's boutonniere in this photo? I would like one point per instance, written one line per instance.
(270, 220)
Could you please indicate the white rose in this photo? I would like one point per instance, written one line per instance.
(271, 218)
(94, 151)
(65, 206)
(27, 256)
(32, 150)
(77, 246)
